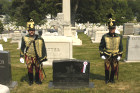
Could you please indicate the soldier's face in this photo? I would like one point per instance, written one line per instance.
(31, 33)
(112, 31)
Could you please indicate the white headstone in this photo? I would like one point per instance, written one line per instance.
(58, 48)
(4, 89)
(4, 39)
(128, 28)
(117, 31)
(98, 35)
(133, 49)
(1, 48)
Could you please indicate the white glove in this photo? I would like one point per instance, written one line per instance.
(118, 58)
(21, 60)
(103, 57)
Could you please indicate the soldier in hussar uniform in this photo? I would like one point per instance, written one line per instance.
(111, 50)
(34, 50)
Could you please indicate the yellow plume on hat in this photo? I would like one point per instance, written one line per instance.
(111, 21)
(30, 24)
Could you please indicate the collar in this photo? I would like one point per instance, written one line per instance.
(112, 35)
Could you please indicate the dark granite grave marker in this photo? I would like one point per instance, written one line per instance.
(71, 73)
(5, 68)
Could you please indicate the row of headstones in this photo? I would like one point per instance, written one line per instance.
(96, 32)
(16, 36)
(131, 29)
(12, 26)
(9, 27)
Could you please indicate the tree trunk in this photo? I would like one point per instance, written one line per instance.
(74, 7)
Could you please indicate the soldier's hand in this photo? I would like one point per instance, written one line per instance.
(21, 60)
(103, 57)
(118, 58)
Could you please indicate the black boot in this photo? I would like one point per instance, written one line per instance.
(37, 80)
(30, 75)
(112, 77)
(106, 76)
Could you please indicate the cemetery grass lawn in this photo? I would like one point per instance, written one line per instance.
(129, 77)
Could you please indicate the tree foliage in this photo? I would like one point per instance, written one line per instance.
(23, 10)
(4, 6)
(94, 11)
(135, 6)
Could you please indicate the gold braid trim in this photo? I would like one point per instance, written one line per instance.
(113, 51)
(101, 52)
(43, 58)
(38, 45)
(120, 53)
(113, 54)
(21, 52)
(109, 54)
(29, 43)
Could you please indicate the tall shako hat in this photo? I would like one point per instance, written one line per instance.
(31, 25)
(111, 23)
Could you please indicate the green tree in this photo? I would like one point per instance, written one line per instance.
(135, 6)
(96, 11)
(4, 6)
(23, 10)
(74, 7)
(54, 7)
(1, 27)
(122, 12)
(6, 19)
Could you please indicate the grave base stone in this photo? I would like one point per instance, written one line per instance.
(71, 74)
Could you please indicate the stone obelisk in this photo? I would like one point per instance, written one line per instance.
(67, 17)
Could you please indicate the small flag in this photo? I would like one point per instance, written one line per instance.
(84, 66)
